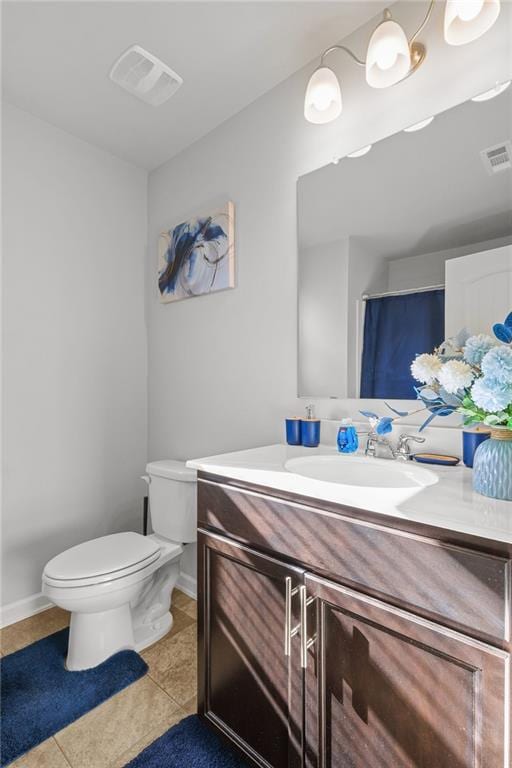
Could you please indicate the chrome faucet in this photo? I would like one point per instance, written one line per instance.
(374, 441)
(402, 452)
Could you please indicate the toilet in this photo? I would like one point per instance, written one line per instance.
(118, 588)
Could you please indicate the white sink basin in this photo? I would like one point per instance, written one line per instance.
(364, 479)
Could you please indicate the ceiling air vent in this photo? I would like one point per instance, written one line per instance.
(497, 158)
(145, 76)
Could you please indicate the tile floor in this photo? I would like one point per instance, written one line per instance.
(113, 733)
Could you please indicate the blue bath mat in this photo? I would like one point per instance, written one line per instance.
(190, 743)
(39, 696)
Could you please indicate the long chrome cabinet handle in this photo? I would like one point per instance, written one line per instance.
(305, 644)
(288, 631)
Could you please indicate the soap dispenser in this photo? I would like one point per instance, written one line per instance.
(347, 437)
(310, 428)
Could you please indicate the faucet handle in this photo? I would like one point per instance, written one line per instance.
(404, 439)
(403, 451)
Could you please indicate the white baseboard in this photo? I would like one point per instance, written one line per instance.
(23, 609)
(188, 585)
(29, 606)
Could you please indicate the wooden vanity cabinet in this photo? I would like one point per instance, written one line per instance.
(368, 683)
(247, 685)
(386, 689)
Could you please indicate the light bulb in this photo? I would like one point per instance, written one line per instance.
(322, 97)
(492, 92)
(419, 126)
(360, 152)
(467, 10)
(322, 102)
(467, 20)
(388, 59)
(385, 54)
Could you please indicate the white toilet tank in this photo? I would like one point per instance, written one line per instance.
(173, 500)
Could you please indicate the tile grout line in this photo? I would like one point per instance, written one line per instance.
(61, 751)
(164, 691)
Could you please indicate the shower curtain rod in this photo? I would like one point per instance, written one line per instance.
(367, 296)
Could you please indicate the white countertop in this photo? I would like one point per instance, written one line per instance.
(451, 503)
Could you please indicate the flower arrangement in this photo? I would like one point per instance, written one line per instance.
(470, 375)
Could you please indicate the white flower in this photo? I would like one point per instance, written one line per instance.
(425, 368)
(455, 375)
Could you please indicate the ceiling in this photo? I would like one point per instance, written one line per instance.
(56, 57)
(416, 193)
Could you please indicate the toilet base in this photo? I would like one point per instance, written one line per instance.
(143, 618)
(93, 637)
(148, 634)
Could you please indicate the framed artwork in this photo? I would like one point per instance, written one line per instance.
(197, 256)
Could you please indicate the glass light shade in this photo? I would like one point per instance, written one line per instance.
(492, 92)
(467, 20)
(322, 102)
(388, 59)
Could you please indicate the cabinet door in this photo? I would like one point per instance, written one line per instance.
(248, 686)
(386, 689)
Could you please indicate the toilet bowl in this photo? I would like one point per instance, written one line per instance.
(118, 588)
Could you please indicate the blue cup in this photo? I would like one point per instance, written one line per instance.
(310, 432)
(294, 431)
(471, 439)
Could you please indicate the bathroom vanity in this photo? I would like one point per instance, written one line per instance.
(333, 636)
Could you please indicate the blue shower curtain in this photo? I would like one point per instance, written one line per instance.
(396, 329)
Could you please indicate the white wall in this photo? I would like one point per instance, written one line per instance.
(323, 319)
(429, 268)
(74, 346)
(223, 368)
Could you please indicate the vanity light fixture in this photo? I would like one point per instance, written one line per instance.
(323, 96)
(492, 92)
(388, 58)
(467, 20)
(360, 152)
(419, 126)
(392, 56)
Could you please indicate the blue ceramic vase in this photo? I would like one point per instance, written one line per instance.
(492, 465)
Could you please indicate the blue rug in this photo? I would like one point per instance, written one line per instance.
(190, 744)
(39, 696)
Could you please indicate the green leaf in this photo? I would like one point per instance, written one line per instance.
(467, 411)
(472, 420)
(492, 419)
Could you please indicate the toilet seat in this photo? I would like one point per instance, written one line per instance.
(101, 560)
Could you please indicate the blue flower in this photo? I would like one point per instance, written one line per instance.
(476, 347)
(497, 364)
(384, 426)
(491, 395)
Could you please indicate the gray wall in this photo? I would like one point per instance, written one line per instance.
(74, 347)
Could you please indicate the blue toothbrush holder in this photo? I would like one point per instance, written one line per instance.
(471, 439)
(310, 432)
(294, 431)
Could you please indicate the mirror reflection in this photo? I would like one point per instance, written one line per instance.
(402, 247)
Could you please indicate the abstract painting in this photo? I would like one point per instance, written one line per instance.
(197, 256)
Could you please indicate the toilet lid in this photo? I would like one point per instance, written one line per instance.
(104, 556)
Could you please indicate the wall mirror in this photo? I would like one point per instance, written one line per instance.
(401, 248)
